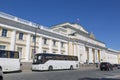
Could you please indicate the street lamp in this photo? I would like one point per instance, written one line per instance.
(38, 27)
(35, 41)
(80, 57)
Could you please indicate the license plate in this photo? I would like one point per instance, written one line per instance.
(103, 65)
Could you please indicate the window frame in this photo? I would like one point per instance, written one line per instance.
(4, 32)
(54, 43)
(21, 36)
(62, 44)
(45, 41)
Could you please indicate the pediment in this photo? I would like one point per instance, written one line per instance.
(70, 26)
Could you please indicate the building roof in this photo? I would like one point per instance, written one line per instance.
(78, 29)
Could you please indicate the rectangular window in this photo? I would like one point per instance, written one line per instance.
(45, 40)
(54, 52)
(62, 44)
(54, 43)
(4, 32)
(20, 36)
(44, 51)
(2, 47)
(33, 38)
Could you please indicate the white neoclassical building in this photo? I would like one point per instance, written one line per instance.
(68, 38)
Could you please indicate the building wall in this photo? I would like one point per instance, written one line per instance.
(27, 45)
(88, 50)
(119, 58)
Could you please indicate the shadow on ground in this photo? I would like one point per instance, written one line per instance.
(97, 79)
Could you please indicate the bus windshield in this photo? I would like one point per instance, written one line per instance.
(37, 59)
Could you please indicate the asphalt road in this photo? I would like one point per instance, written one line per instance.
(65, 75)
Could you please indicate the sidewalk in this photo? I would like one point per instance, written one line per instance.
(26, 67)
(83, 67)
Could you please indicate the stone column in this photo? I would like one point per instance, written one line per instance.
(90, 55)
(96, 56)
(27, 57)
(40, 45)
(13, 40)
(50, 46)
(75, 52)
(78, 52)
(59, 47)
(66, 48)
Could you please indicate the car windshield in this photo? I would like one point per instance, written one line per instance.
(105, 63)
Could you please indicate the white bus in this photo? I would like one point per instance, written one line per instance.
(9, 61)
(47, 61)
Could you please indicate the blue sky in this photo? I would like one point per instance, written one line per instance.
(102, 17)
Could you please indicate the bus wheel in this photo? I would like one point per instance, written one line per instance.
(50, 68)
(71, 67)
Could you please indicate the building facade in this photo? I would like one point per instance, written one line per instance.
(70, 39)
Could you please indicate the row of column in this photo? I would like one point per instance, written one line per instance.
(77, 49)
(13, 43)
(28, 42)
(89, 55)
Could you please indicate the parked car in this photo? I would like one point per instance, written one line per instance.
(106, 66)
(115, 65)
(1, 74)
(118, 66)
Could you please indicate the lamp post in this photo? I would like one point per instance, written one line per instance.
(35, 40)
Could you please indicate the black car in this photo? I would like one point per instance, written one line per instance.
(118, 66)
(106, 66)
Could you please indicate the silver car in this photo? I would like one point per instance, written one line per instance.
(1, 74)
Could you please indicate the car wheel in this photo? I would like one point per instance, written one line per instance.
(101, 69)
(108, 69)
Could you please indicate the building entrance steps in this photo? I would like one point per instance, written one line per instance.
(26, 66)
(88, 66)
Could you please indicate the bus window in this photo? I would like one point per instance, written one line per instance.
(3, 54)
(16, 55)
(12, 55)
(8, 55)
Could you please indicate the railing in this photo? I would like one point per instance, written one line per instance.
(7, 16)
(10, 17)
(18, 19)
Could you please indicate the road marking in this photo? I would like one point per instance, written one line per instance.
(115, 76)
